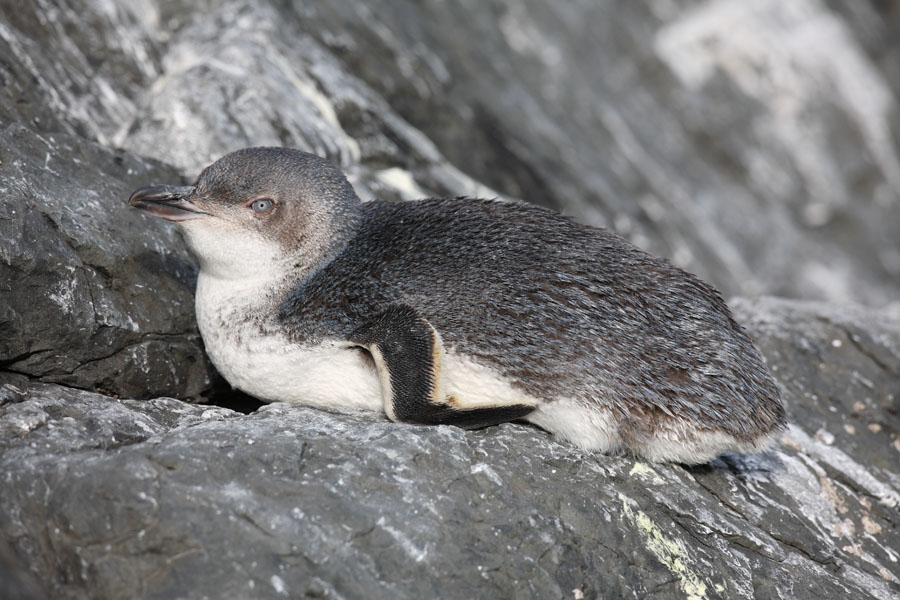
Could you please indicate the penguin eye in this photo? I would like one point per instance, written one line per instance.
(262, 206)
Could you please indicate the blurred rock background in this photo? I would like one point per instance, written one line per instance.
(753, 143)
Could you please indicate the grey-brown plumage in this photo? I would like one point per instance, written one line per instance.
(592, 338)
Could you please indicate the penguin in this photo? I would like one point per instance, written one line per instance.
(461, 311)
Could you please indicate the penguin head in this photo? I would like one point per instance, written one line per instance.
(257, 209)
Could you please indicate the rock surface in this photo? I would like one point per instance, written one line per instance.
(161, 499)
(753, 143)
(93, 295)
(726, 135)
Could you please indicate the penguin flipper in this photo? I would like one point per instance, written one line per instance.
(408, 355)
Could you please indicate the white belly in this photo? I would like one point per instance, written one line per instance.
(262, 362)
(329, 374)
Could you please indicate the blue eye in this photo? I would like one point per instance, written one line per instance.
(262, 206)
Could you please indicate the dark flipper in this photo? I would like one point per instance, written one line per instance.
(408, 354)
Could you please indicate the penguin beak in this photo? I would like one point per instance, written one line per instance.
(167, 202)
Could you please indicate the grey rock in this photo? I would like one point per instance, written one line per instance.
(75, 68)
(18, 582)
(721, 134)
(93, 295)
(683, 152)
(725, 135)
(109, 498)
(753, 143)
(234, 76)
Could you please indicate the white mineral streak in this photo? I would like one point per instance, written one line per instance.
(402, 181)
(414, 552)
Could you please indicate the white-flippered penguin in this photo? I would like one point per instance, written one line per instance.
(461, 311)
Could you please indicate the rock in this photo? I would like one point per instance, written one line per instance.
(719, 134)
(18, 582)
(724, 135)
(637, 131)
(115, 498)
(73, 68)
(842, 367)
(754, 143)
(93, 296)
(236, 76)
